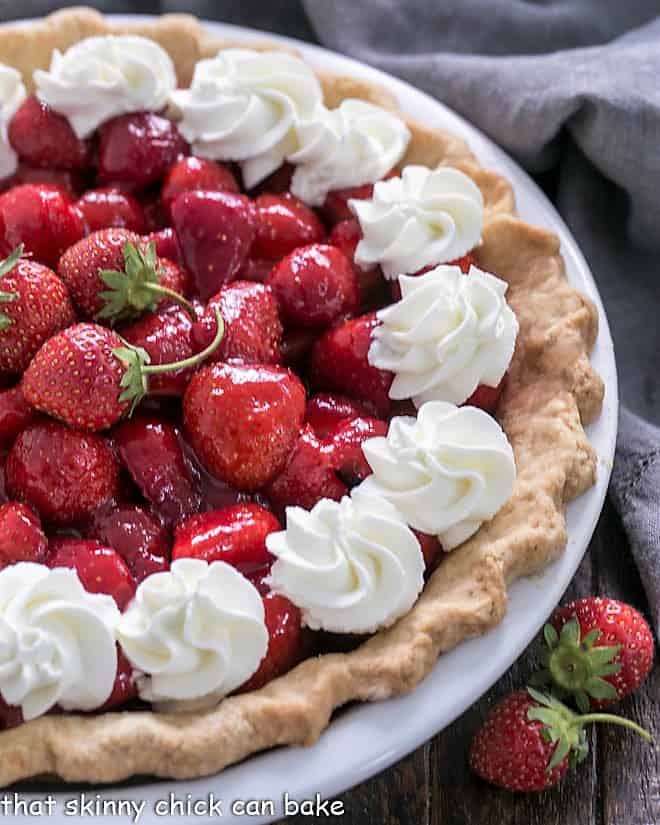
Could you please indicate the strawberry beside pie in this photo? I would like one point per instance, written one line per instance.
(278, 364)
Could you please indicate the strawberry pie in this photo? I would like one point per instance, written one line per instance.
(281, 373)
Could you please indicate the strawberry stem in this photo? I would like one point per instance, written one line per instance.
(193, 360)
(614, 720)
(6, 267)
(166, 292)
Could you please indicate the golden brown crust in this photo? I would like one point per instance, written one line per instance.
(552, 391)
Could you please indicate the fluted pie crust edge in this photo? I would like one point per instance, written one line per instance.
(551, 393)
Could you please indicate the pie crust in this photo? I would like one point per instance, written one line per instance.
(551, 393)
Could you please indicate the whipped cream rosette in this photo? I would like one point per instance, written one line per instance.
(102, 77)
(12, 94)
(424, 217)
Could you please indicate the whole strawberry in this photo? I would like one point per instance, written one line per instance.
(599, 650)
(530, 739)
(34, 304)
(89, 378)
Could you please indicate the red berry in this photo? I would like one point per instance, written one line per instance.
(486, 398)
(15, 415)
(43, 137)
(335, 207)
(151, 451)
(253, 332)
(190, 174)
(125, 686)
(288, 641)
(297, 344)
(346, 235)
(431, 548)
(100, 569)
(243, 421)
(285, 223)
(21, 536)
(307, 477)
(235, 535)
(64, 475)
(137, 149)
(215, 231)
(137, 535)
(315, 285)
(340, 364)
(42, 218)
(165, 243)
(345, 447)
(325, 412)
(70, 183)
(108, 207)
(576, 661)
(34, 304)
(278, 182)
(256, 269)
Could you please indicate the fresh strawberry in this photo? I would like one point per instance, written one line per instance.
(90, 378)
(335, 207)
(125, 686)
(345, 447)
(42, 218)
(242, 421)
(34, 304)
(530, 739)
(215, 231)
(325, 412)
(340, 364)
(194, 174)
(64, 475)
(11, 716)
(235, 535)
(15, 415)
(21, 536)
(307, 477)
(253, 332)
(315, 285)
(256, 269)
(43, 137)
(599, 650)
(108, 207)
(288, 641)
(136, 534)
(284, 223)
(100, 569)
(137, 149)
(165, 244)
(345, 236)
(152, 452)
(486, 398)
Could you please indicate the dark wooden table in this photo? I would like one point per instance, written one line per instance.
(618, 784)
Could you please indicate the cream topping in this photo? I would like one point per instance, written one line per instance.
(12, 94)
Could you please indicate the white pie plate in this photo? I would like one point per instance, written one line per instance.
(368, 738)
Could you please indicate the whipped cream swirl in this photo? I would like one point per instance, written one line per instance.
(243, 105)
(12, 94)
(447, 471)
(424, 217)
(351, 566)
(102, 77)
(448, 334)
(196, 631)
(356, 143)
(57, 642)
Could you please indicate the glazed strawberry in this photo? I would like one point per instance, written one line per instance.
(345, 236)
(278, 182)
(243, 421)
(15, 415)
(486, 398)
(235, 535)
(297, 344)
(34, 304)
(340, 363)
(165, 244)
(111, 275)
(155, 216)
(90, 378)
(336, 209)
(284, 223)
(100, 569)
(136, 534)
(21, 536)
(315, 285)
(600, 650)
(307, 477)
(431, 548)
(288, 641)
(43, 137)
(152, 452)
(325, 412)
(253, 332)
(529, 740)
(345, 447)
(255, 269)
(215, 231)
(125, 686)
(109, 207)
(190, 174)
(70, 182)
(137, 149)
(64, 475)
(42, 218)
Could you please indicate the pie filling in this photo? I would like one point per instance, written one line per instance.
(251, 375)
